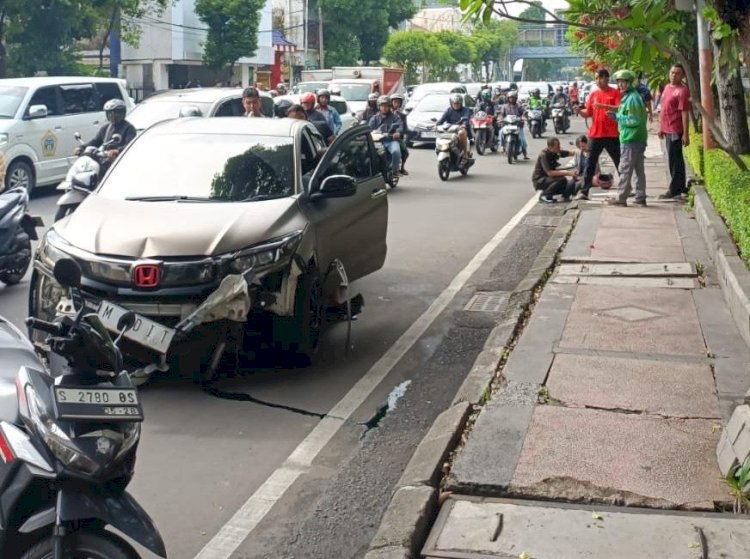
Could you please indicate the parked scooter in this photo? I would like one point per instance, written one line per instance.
(536, 122)
(509, 132)
(68, 440)
(17, 230)
(484, 132)
(560, 118)
(390, 176)
(449, 156)
(83, 176)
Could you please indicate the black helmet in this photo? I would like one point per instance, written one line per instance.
(457, 98)
(115, 110)
(281, 108)
(536, 91)
(323, 92)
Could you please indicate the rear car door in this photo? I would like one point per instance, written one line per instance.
(46, 136)
(82, 114)
(351, 229)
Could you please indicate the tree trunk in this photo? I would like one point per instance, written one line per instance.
(3, 60)
(732, 108)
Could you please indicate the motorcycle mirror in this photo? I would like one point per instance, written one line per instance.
(77, 136)
(126, 321)
(67, 273)
(115, 138)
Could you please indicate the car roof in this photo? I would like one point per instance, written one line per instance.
(200, 94)
(282, 127)
(41, 81)
(294, 98)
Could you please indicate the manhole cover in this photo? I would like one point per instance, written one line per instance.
(487, 301)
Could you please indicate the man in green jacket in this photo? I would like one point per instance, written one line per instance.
(632, 121)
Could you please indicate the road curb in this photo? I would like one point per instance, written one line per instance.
(732, 273)
(414, 505)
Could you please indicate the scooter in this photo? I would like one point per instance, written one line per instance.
(536, 122)
(449, 156)
(509, 131)
(68, 439)
(390, 176)
(17, 230)
(484, 132)
(560, 118)
(89, 162)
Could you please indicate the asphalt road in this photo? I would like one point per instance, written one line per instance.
(203, 455)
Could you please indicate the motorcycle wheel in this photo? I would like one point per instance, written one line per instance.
(299, 336)
(444, 169)
(493, 144)
(15, 275)
(511, 151)
(63, 211)
(85, 545)
(480, 144)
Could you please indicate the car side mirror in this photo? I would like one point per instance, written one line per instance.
(190, 110)
(37, 111)
(335, 186)
(85, 179)
(67, 273)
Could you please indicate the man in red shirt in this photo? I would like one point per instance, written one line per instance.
(673, 128)
(603, 134)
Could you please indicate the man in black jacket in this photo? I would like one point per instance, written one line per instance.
(114, 110)
(389, 123)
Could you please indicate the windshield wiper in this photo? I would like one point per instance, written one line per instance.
(170, 198)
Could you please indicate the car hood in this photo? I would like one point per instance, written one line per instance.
(423, 118)
(134, 229)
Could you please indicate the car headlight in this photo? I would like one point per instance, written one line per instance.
(267, 254)
(55, 438)
(48, 252)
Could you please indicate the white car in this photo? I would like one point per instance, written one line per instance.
(39, 118)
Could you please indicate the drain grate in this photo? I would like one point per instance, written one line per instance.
(488, 301)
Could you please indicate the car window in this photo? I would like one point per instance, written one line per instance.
(46, 96)
(11, 97)
(231, 107)
(352, 158)
(308, 154)
(222, 168)
(78, 99)
(266, 106)
(152, 111)
(106, 91)
(340, 106)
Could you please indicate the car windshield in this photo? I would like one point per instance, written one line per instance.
(304, 87)
(354, 91)
(147, 113)
(433, 103)
(340, 106)
(420, 92)
(220, 168)
(10, 99)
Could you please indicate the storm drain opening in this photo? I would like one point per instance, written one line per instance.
(488, 301)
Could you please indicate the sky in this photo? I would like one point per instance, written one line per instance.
(548, 4)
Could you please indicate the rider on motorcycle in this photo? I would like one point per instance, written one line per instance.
(318, 119)
(115, 110)
(559, 97)
(332, 115)
(485, 103)
(458, 114)
(389, 123)
(537, 102)
(397, 102)
(513, 108)
(372, 107)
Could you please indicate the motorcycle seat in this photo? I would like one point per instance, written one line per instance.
(16, 352)
(9, 200)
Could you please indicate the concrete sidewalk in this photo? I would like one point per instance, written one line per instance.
(600, 438)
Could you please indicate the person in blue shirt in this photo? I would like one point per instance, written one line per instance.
(389, 123)
(458, 114)
(646, 96)
(332, 115)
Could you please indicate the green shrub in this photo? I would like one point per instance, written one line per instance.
(694, 153)
(729, 189)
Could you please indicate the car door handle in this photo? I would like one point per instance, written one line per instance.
(377, 193)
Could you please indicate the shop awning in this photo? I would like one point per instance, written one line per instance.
(281, 43)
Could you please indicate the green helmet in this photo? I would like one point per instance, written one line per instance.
(486, 95)
(624, 75)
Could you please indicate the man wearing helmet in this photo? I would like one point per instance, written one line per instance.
(458, 114)
(560, 97)
(513, 108)
(397, 103)
(318, 119)
(537, 102)
(330, 113)
(485, 102)
(389, 123)
(115, 110)
(372, 108)
(632, 121)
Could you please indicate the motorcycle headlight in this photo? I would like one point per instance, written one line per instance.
(265, 255)
(55, 438)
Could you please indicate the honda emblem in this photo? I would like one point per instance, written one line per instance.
(146, 275)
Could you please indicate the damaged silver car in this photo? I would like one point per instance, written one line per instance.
(193, 201)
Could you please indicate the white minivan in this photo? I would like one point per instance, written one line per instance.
(38, 120)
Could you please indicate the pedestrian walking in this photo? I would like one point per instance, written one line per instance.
(632, 121)
(674, 129)
(603, 134)
(547, 178)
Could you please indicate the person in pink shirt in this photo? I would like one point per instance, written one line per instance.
(674, 129)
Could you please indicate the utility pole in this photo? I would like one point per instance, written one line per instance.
(321, 52)
(115, 52)
(705, 56)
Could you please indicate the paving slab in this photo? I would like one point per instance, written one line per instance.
(647, 269)
(638, 218)
(634, 282)
(643, 385)
(637, 460)
(480, 529)
(644, 320)
(658, 244)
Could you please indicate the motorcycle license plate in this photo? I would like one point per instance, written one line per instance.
(92, 403)
(429, 135)
(144, 332)
(510, 128)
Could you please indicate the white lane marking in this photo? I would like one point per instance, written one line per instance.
(244, 521)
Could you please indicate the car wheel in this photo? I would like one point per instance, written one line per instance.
(299, 335)
(444, 169)
(19, 174)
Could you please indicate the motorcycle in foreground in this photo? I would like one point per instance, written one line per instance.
(536, 122)
(88, 164)
(484, 132)
(68, 439)
(390, 176)
(449, 156)
(560, 118)
(17, 230)
(509, 131)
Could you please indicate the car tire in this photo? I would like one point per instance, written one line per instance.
(299, 336)
(19, 173)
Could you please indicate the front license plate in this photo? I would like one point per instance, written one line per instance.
(86, 403)
(144, 332)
